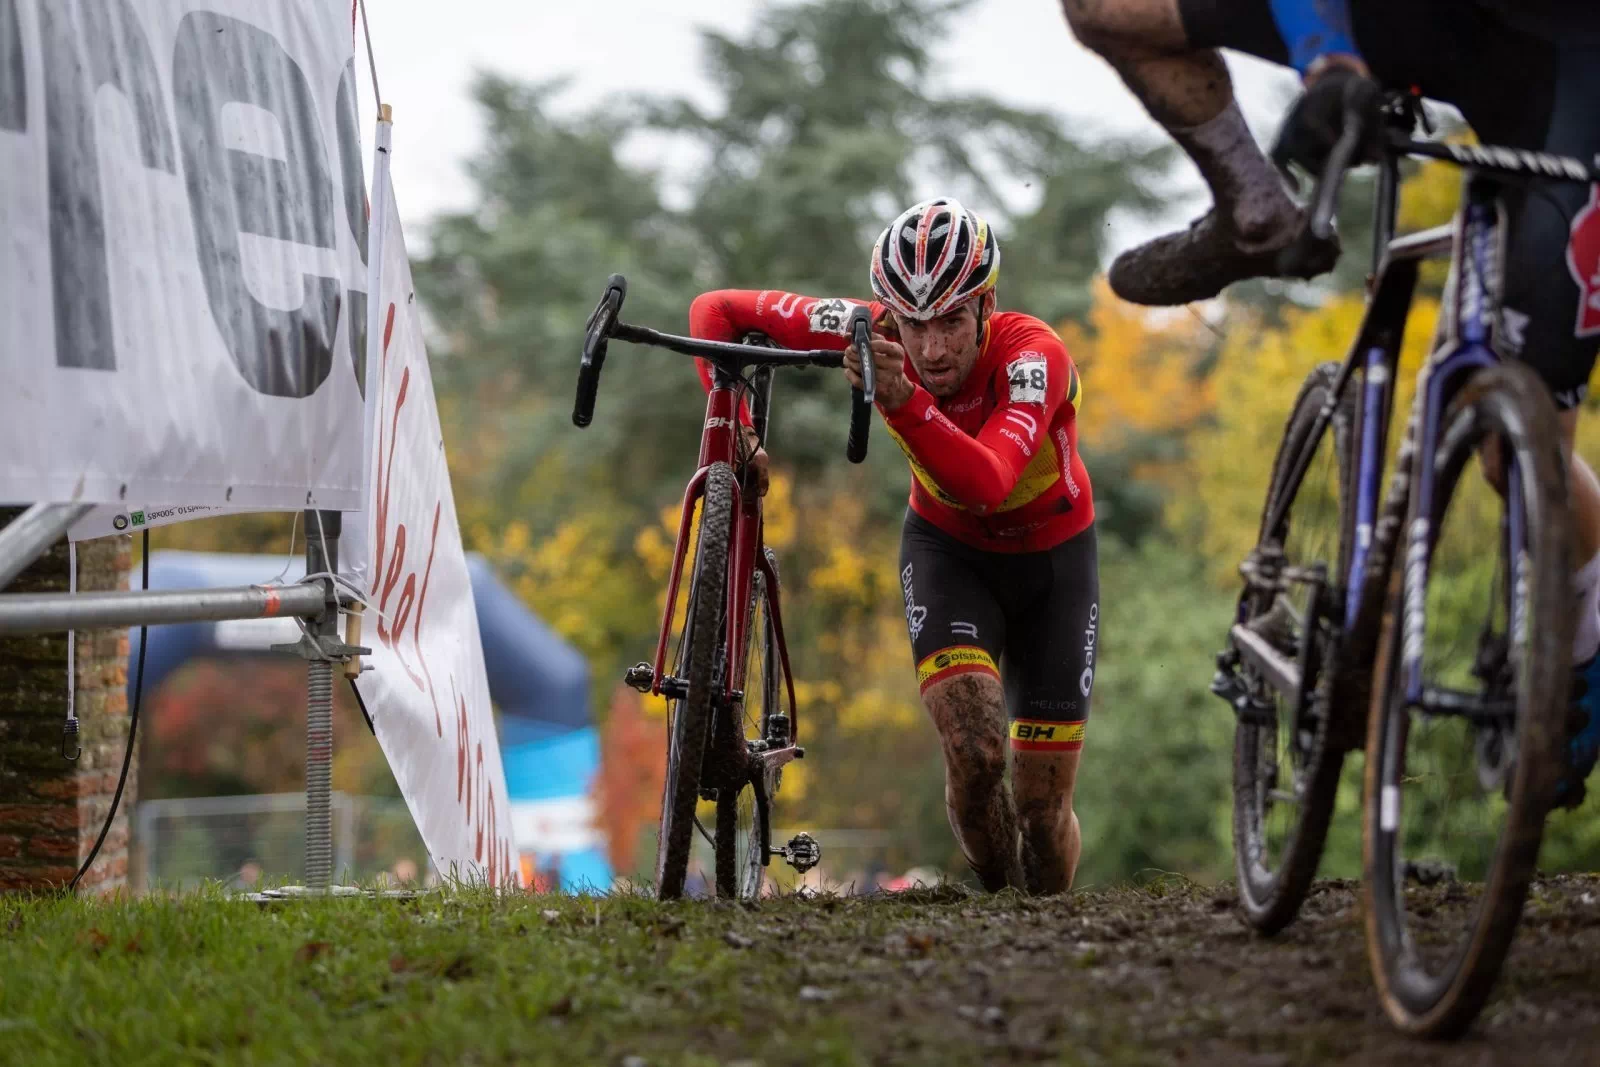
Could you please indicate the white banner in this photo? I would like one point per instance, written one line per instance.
(182, 231)
(107, 519)
(428, 694)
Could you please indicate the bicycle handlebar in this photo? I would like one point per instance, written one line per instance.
(596, 333)
(1397, 114)
(1299, 257)
(602, 326)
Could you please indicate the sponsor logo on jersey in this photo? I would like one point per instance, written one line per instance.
(1029, 424)
(786, 305)
(1583, 260)
(1013, 435)
(949, 662)
(916, 614)
(1086, 679)
(1065, 448)
(1037, 735)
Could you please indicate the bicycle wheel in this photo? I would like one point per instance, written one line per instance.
(699, 656)
(1457, 788)
(740, 836)
(1284, 771)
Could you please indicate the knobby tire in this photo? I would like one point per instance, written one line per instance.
(1511, 400)
(703, 624)
(1271, 898)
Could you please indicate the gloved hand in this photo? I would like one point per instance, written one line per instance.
(1318, 119)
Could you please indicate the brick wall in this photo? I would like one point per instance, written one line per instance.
(51, 809)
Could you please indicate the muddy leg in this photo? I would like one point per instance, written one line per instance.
(969, 712)
(1050, 835)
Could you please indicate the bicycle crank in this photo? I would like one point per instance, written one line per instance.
(802, 852)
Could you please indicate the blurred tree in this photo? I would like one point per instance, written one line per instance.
(828, 123)
(1145, 389)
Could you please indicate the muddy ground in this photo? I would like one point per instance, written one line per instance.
(1167, 974)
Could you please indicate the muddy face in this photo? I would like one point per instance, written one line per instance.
(944, 350)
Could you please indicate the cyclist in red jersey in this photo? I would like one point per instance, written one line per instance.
(998, 561)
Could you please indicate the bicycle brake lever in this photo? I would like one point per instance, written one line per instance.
(861, 338)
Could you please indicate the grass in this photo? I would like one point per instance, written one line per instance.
(1157, 973)
(460, 979)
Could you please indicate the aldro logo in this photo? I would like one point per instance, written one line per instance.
(1086, 679)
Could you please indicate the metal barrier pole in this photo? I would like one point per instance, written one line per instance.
(322, 556)
(24, 613)
(30, 535)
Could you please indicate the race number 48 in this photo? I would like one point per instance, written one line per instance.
(1028, 378)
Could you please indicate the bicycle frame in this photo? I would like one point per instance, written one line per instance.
(1466, 346)
(746, 556)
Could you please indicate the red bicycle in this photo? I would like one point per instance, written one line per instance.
(728, 735)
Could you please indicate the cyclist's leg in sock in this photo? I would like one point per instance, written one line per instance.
(1190, 93)
(1187, 90)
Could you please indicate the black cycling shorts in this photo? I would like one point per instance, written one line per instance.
(1525, 74)
(1031, 619)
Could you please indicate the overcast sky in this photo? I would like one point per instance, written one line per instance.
(428, 51)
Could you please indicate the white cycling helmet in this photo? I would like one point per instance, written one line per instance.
(933, 258)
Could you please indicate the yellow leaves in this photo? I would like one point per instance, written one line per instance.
(1430, 197)
(654, 707)
(873, 710)
(1138, 370)
(1257, 378)
(845, 574)
(654, 549)
(778, 512)
(573, 579)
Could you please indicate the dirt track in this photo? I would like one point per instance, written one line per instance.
(1135, 977)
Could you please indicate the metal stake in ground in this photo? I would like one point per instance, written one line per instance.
(322, 649)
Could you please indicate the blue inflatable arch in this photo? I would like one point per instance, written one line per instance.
(538, 682)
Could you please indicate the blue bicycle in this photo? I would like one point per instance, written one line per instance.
(1435, 627)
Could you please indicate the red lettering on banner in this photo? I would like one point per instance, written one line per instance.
(422, 600)
(391, 625)
(473, 785)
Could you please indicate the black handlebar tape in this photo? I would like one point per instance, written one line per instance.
(597, 333)
(594, 357)
(855, 449)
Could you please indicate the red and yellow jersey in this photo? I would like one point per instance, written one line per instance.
(996, 465)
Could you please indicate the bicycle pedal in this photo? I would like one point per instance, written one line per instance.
(640, 676)
(802, 852)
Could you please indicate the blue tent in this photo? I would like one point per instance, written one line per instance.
(538, 682)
